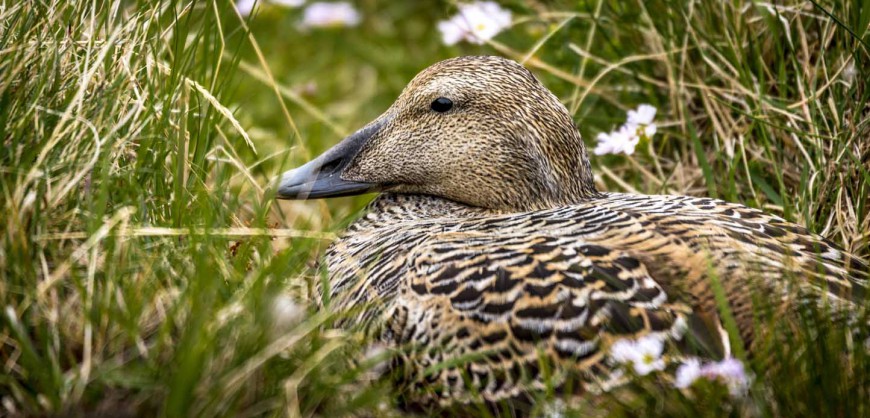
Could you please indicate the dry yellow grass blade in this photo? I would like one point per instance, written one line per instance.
(223, 110)
(178, 232)
(120, 217)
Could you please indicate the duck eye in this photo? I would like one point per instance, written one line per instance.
(442, 104)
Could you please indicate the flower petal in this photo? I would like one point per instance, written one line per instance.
(644, 115)
(476, 22)
(323, 14)
(688, 373)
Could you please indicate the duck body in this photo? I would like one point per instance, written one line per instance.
(495, 268)
(563, 283)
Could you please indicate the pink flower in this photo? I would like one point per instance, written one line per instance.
(729, 371)
(245, 7)
(323, 14)
(688, 373)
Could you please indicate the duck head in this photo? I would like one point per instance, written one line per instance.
(477, 130)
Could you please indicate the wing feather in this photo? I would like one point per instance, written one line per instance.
(504, 303)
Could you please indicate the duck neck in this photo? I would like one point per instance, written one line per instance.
(389, 208)
(563, 177)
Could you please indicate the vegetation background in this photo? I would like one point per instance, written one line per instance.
(146, 267)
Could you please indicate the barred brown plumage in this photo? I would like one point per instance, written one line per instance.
(491, 256)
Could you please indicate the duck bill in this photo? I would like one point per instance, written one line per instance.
(321, 177)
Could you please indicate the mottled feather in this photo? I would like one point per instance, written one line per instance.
(502, 290)
(496, 267)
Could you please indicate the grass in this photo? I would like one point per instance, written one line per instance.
(142, 258)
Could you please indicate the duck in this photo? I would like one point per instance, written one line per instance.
(490, 258)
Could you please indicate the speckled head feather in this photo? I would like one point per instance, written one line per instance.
(506, 143)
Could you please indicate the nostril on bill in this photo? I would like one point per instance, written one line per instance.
(331, 167)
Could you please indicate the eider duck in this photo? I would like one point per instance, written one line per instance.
(489, 250)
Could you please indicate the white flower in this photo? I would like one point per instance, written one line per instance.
(688, 373)
(476, 22)
(639, 125)
(645, 353)
(555, 408)
(322, 14)
(850, 72)
(623, 141)
(644, 115)
(286, 313)
(729, 371)
(642, 120)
